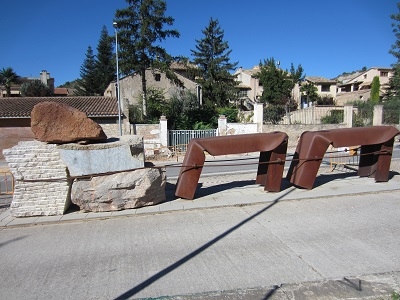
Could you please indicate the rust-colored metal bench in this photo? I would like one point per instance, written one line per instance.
(272, 147)
(375, 156)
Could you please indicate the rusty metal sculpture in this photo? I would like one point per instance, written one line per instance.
(376, 152)
(272, 147)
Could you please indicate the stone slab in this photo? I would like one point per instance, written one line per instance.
(116, 155)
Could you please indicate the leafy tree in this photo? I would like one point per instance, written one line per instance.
(35, 88)
(7, 78)
(274, 113)
(325, 100)
(156, 107)
(277, 83)
(333, 117)
(184, 112)
(277, 89)
(180, 110)
(310, 90)
(141, 30)
(375, 88)
(105, 62)
(231, 113)
(394, 82)
(364, 114)
(391, 111)
(86, 85)
(214, 66)
(296, 75)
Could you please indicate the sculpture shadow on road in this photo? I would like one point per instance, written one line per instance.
(13, 240)
(146, 283)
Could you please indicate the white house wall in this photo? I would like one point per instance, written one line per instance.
(131, 87)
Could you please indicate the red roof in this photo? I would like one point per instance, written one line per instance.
(60, 91)
(21, 107)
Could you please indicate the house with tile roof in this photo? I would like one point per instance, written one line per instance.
(16, 88)
(131, 85)
(325, 88)
(358, 87)
(15, 116)
(250, 89)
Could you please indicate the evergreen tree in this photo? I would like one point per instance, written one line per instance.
(375, 88)
(7, 78)
(87, 85)
(105, 62)
(35, 88)
(212, 58)
(394, 82)
(141, 29)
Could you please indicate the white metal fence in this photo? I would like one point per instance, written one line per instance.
(180, 138)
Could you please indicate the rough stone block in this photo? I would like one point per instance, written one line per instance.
(60, 123)
(119, 191)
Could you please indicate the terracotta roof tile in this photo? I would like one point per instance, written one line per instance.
(21, 107)
(316, 79)
(60, 91)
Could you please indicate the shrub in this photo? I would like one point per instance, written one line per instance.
(334, 117)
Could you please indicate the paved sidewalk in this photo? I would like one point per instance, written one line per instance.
(230, 190)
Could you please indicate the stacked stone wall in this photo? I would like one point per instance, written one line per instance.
(105, 177)
(41, 182)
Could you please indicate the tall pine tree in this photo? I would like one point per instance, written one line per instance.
(87, 85)
(141, 29)
(212, 58)
(394, 83)
(105, 61)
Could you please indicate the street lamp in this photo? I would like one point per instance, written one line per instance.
(118, 94)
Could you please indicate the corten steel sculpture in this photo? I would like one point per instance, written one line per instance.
(272, 147)
(376, 152)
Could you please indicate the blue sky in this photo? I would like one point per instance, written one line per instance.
(325, 37)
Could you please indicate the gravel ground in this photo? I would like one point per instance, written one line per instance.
(5, 200)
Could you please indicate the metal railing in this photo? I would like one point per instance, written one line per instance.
(6, 182)
(180, 138)
(346, 157)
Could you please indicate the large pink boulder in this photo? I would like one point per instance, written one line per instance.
(55, 122)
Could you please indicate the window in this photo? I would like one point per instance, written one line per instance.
(365, 76)
(157, 77)
(384, 74)
(242, 94)
(325, 88)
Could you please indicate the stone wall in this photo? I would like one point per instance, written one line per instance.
(41, 187)
(110, 176)
(152, 138)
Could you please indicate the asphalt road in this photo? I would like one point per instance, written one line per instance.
(272, 245)
(244, 163)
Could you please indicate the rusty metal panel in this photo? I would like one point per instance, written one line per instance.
(376, 152)
(272, 147)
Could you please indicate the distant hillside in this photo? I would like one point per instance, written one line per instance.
(348, 75)
(69, 84)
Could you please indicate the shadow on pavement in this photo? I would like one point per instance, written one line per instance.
(141, 286)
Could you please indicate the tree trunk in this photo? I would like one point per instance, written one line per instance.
(144, 92)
